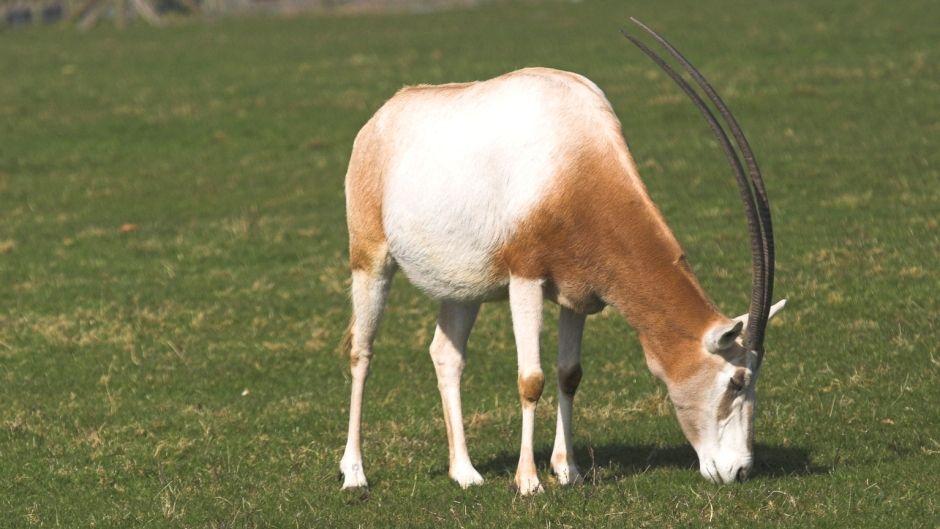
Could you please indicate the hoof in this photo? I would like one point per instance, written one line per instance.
(566, 472)
(527, 486)
(353, 475)
(466, 476)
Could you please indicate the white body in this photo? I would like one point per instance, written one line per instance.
(471, 166)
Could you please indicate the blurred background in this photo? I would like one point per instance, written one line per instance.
(86, 13)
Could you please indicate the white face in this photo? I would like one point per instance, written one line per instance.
(715, 407)
(716, 411)
(726, 451)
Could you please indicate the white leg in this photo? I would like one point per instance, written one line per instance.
(570, 329)
(369, 290)
(525, 302)
(448, 351)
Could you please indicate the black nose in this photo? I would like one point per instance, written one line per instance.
(741, 475)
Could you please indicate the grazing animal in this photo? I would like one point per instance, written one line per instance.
(523, 186)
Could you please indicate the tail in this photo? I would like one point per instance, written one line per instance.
(345, 345)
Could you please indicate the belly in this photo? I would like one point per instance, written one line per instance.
(447, 250)
(453, 278)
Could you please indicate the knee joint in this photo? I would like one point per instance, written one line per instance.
(569, 378)
(530, 386)
(359, 357)
(436, 348)
(445, 353)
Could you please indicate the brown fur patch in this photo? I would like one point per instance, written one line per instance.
(364, 183)
(530, 387)
(569, 379)
(598, 234)
(727, 398)
(724, 405)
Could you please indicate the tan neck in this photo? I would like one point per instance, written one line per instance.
(599, 234)
(662, 300)
(650, 282)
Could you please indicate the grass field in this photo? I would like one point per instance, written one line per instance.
(173, 273)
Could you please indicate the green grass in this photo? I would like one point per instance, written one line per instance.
(185, 373)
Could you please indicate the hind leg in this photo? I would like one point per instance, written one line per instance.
(369, 291)
(448, 351)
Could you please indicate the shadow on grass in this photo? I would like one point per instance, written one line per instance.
(624, 460)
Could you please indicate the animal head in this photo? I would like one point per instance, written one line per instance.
(714, 394)
(715, 405)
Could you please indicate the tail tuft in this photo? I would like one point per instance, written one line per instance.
(345, 345)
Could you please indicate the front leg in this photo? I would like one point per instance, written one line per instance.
(570, 330)
(525, 303)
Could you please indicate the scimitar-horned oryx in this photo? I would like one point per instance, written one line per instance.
(523, 185)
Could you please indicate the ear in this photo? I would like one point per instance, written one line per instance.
(774, 309)
(722, 336)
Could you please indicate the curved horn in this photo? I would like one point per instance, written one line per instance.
(758, 212)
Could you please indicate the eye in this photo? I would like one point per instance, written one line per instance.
(737, 381)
